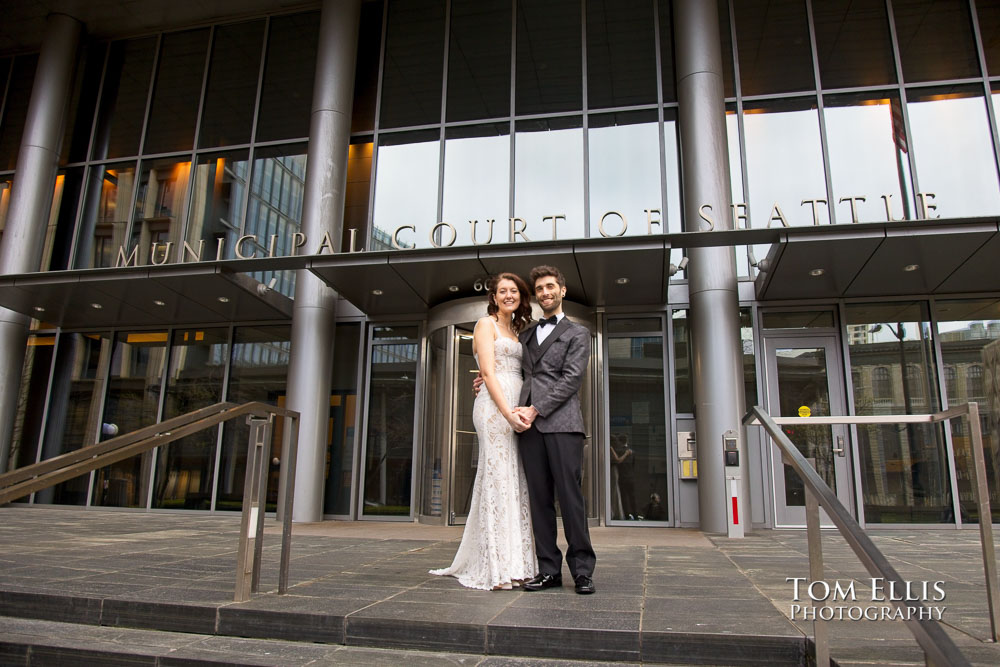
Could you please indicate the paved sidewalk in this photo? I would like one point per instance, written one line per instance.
(664, 595)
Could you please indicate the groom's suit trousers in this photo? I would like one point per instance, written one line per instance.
(554, 461)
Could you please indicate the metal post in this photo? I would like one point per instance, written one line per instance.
(715, 326)
(260, 497)
(31, 199)
(314, 315)
(286, 498)
(985, 517)
(245, 559)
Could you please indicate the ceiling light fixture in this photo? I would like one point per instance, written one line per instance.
(223, 299)
(911, 267)
(622, 281)
(96, 306)
(452, 288)
(39, 309)
(377, 292)
(817, 272)
(159, 303)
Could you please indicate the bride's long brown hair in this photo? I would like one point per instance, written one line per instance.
(522, 315)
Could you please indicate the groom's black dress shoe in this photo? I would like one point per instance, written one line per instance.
(584, 585)
(543, 581)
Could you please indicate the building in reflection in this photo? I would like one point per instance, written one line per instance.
(351, 171)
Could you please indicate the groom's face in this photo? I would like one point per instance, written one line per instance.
(549, 294)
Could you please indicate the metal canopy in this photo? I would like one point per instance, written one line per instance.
(181, 294)
(926, 257)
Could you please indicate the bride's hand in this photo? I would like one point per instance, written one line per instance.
(517, 422)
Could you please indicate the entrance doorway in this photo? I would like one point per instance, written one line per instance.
(804, 380)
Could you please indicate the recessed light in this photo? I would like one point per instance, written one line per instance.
(452, 288)
(621, 281)
(159, 303)
(223, 299)
(377, 292)
(817, 272)
(39, 309)
(96, 306)
(911, 267)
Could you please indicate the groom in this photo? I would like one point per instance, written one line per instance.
(554, 362)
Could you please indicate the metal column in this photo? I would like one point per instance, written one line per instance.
(715, 327)
(31, 199)
(314, 323)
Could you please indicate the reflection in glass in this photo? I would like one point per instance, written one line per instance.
(359, 179)
(466, 452)
(412, 68)
(954, 152)
(259, 373)
(797, 319)
(6, 182)
(867, 157)
(774, 50)
(159, 210)
(83, 102)
(784, 162)
(184, 468)
(123, 104)
(548, 178)
(667, 82)
(30, 402)
(549, 74)
(343, 427)
(406, 185)
(290, 67)
(935, 40)
(624, 174)
(132, 402)
(968, 332)
(989, 29)
(366, 72)
(388, 466)
(62, 220)
(437, 445)
(672, 172)
(105, 218)
(736, 191)
(683, 391)
(74, 408)
(15, 109)
(749, 359)
(904, 468)
(621, 53)
(853, 44)
(477, 183)
(637, 451)
(231, 91)
(479, 60)
(174, 108)
(220, 182)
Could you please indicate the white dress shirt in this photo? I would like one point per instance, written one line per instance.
(542, 331)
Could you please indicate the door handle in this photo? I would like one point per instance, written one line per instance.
(839, 448)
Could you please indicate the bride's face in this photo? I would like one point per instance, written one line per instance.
(508, 297)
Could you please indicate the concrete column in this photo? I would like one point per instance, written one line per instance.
(717, 364)
(311, 364)
(31, 199)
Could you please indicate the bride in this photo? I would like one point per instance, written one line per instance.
(497, 550)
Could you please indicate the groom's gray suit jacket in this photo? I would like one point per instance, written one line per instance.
(553, 375)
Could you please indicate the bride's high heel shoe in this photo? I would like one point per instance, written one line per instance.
(504, 587)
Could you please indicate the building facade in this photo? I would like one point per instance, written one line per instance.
(790, 204)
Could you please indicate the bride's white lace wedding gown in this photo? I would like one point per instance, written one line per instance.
(497, 548)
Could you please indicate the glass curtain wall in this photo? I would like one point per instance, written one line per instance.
(343, 433)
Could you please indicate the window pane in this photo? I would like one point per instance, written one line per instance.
(634, 324)
(479, 60)
(105, 217)
(159, 209)
(259, 373)
(406, 185)
(179, 76)
(637, 453)
(904, 468)
(74, 408)
(683, 392)
(414, 63)
(83, 103)
(30, 402)
(220, 185)
(366, 71)
(868, 157)
(62, 220)
(797, 319)
(935, 40)
(286, 93)
(132, 402)
(773, 41)
(549, 69)
(124, 97)
(359, 180)
(389, 453)
(6, 182)
(343, 430)
(667, 50)
(672, 174)
(477, 182)
(548, 178)
(954, 152)
(749, 363)
(16, 109)
(968, 331)
(621, 53)
(184, 468)
(852, 40)
(624, 174)
(736, 189)
(232, 85)
(989, 29)
(276, 193)
(784, 162)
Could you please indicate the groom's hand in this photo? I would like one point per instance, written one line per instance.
(477, 383)
(527, 415)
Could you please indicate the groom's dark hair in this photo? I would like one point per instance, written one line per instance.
(543, 271)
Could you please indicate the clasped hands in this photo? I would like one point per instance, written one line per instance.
(520, 418)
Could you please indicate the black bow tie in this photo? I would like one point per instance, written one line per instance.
(549, 320)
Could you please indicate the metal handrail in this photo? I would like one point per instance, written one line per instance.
(260, 416)
(938, 647)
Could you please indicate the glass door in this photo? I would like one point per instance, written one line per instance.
(804, 380)
(465, 452)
